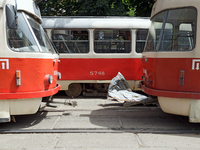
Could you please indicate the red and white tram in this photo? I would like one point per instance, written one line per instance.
(171, 57)
(94, 49)
(28, 62)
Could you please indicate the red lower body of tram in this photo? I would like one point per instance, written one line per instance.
(24, 82)
(100, 68)
(95, 74)
(178, 76)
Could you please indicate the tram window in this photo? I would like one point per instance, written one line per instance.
(176, 31)
(141, 36)
(21, 39)
(186, 38)
(167, 37)
(43, 40)
(112, 41)
(71, 41)
(154, 32)
(45, 31)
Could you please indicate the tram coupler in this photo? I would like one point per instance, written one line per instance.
(49, 100)
(70, 103)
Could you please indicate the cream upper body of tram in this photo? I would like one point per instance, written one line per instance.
(94, 49)
(171, 57)
(28, 61)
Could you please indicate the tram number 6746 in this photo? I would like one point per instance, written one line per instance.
(95, 73)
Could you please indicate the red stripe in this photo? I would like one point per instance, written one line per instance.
(33, 72)
(163, 74)
(100, 68)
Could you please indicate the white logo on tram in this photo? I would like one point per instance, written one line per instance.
(195, 64)
(4, 64)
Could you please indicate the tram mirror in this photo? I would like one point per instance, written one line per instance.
(11, 16)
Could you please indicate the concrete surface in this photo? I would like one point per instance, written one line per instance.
(100, 115)
(99, 141)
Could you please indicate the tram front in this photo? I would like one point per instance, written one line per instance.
(28, 61)
(171, 57)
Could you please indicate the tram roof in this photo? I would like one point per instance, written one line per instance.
(161, 5)
(27, 6)
(30, 8)
(90, 22)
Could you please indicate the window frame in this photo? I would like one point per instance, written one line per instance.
(140, 41)
(112, 40)
(78, 41)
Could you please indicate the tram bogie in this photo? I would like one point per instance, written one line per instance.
(28, 61)
(94, 49)
(171, 57)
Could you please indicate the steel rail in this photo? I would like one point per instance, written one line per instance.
(46, 131)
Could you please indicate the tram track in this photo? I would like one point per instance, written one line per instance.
(45, 131)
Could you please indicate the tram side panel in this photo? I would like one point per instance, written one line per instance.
(102, 58)
(100, 68)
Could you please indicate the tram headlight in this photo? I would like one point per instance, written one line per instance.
(50, 79)
(59, 75)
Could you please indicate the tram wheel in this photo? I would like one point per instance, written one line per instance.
(74, 90)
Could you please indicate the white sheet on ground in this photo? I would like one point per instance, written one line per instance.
(120, 90)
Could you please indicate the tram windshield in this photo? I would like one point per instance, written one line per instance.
(172, 30)
(29, 36)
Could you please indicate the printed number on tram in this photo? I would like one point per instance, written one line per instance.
(95, 73)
